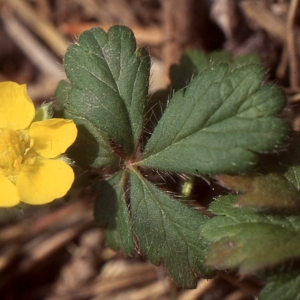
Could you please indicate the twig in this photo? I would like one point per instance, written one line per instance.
(291, 45)
(247, 286)
(183, 24)
(259, 13)
(283, 64)
(294, 98)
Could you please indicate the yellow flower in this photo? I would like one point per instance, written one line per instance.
(32, 169)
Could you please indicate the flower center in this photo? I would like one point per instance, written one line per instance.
(15, 150)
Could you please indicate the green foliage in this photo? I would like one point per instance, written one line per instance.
(220, 119)
(167, 230)
(195, 61)
(259, 229)
(108, 78)
(112, 214)
(246, 239)
(218, 124)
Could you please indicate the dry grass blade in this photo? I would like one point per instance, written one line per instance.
(40, 26)
(202, 287)
(237, 295)
(134, 275)
(40, 56)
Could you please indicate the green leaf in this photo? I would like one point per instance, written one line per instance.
(270, 191)
(247, 59)
(155, 107)
(218, 124)
(92, 146)
(293, 175)
(194, 61)
(169, 231)
(284, 288)
(108, 87)
(245, 239)
(222, 56)
(111, 212)
(191, 63)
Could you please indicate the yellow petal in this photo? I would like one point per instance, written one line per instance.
(9, 194)
(44, 181)
(52, 137)
(16, 108)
